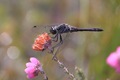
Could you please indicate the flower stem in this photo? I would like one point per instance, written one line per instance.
(44, 75)
(64, 68)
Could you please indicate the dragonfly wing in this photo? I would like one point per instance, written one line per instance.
(39, 29)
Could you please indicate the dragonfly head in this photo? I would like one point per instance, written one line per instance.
(52, 30)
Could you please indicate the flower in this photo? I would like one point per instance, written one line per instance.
(114, 59)
(42, 42)
(33, 68)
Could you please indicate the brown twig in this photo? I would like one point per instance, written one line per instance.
(44, 75)
(64, 68)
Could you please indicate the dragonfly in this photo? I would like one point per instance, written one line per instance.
(58, 30)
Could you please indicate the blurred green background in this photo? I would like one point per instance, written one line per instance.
(87, 50)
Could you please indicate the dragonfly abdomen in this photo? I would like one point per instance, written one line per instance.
(85, 29)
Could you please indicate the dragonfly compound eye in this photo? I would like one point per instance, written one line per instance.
(52, 31)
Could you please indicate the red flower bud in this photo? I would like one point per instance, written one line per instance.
(42, 42)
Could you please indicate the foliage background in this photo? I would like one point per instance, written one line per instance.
(87, 50)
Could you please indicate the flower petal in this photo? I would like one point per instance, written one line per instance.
(40, 40)
(38, 47)
(30, 76)
(29, 70)
(112, 60)
(34, 60)
(47, 37)
(118, 50)
(29, 64)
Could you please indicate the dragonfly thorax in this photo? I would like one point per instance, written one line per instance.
(62, 28)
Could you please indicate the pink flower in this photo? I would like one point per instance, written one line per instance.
(114, 59)
(33, 68)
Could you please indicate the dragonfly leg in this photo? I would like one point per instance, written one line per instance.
(61, 41)
(54, 55)
(53, 38)
(57, 45)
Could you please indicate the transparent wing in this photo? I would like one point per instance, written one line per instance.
(39, 29)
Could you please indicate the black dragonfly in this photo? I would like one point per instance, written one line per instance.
(58, 30)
